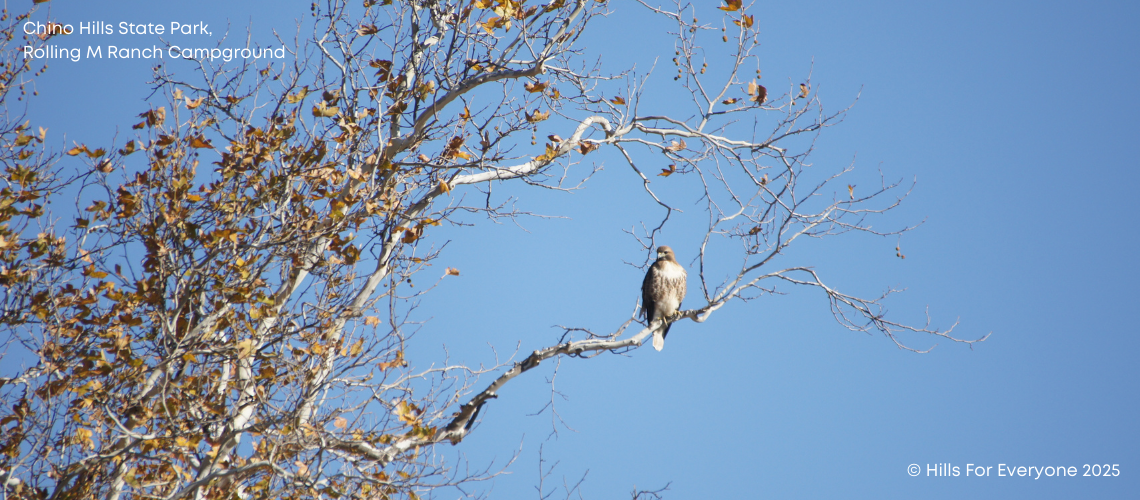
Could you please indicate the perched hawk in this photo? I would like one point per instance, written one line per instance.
(662, 292)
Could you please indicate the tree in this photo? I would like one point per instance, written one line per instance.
(227, 311)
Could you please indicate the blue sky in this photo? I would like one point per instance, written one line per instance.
(1018, 120)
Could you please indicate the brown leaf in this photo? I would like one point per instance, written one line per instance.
(730, 100)
(465, 115)
(367, 29)
(535, 87)
(731, 5)
(195, 103)
(666, 172)
(451, 271)
(554, 138)
(619, 100)
(423, 158)
(153, 117)
(340, 422)
(106, 167)
(851, 191)
(200, 142)
(128, 149)
(585, 147)
(76, 150)
(745, 21)
(804, 90)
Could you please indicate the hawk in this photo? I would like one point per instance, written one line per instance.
(662, 292)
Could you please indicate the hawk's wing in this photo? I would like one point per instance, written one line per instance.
(648, 301)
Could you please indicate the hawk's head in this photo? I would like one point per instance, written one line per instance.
(666, 253)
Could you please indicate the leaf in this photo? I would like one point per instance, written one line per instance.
(76, 150)
(535, 87)
(97, 153)
(298, 96)
(43, 134)
(619, 100)
(585, 147)
(340, 423)
(153, 118)
(483, 4)
(451, 271)
(324, 110)
(745, 21)
(105, 166)
(731, 5)
(537, 116)
(554, 138)
(423, 158)
(371, 320)
(851, 191)
(730, 100)
(200, 142)
(464, 116)
(758, 92)
(245, 347)
(444, 187)
(666, 172)
(195, 103)
(676, 146)
(367, 29)
(128, 149)
(804, 90)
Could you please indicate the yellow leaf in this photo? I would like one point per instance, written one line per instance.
(666, 172)
(356, 348)
(537, 116)
(465, 115)
(297, 97)
(731, 5)
(76, 150)
(245, 347)
(535, 87)
(483, 4)
(444, 187)
(730, 100)
(324, 110)
(619, 100)
(851, 191)
(195, 103)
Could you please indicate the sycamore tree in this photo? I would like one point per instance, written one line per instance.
(218, 305)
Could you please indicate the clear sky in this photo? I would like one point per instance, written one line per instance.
(1019, 121)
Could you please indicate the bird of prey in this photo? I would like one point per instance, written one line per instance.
(662, 292)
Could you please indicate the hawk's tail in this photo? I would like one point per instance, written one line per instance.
(659, 337)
